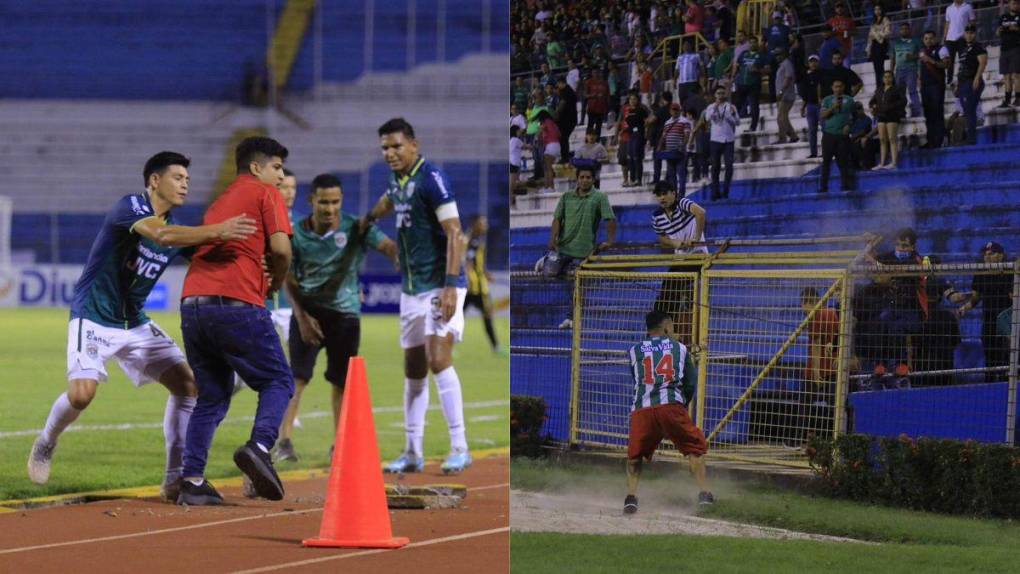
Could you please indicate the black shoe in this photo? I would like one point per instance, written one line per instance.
(258, 466)
(630, 504)
(812, 156)
(202, 495)
(705, 498)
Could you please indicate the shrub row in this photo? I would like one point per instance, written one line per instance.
(527, 415)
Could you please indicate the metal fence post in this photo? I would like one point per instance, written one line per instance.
(1014, 355)
(846, 330)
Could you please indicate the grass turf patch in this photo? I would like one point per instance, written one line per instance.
(34, 358)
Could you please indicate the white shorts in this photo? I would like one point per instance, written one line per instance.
(421, 316)
(552, 150)
(281, 319)
(144, 352)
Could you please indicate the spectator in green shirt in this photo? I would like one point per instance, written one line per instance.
(837, 115)
(749, 68)
(324, 290)
(721, 65)
(906, 50)
(575, 227)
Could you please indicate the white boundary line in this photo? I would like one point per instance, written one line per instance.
(370, 552)
(196, 526)
(235, 420)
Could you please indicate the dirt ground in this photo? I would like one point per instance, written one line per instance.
(599, 513)
(145, 535)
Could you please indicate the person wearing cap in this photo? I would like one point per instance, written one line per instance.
(679, 224)
(934, 62)
(1009, 58)
(810, 87)
(843, 28)
(994, 293)
(672, 147)
(837, 111)
(973, 60)
(959, 15)
(786, 93)
(905, 56)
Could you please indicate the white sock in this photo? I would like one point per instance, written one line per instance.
(450, 396)
(175, 428)
(416, 405)
(61, 415)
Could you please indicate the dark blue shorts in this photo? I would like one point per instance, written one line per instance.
(223, 340)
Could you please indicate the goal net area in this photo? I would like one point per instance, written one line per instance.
(793, 340)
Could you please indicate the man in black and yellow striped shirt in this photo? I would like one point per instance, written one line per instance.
(478, 278)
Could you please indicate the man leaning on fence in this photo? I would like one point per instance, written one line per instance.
(575, 228)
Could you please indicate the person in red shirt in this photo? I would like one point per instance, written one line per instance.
(550, 134)
(228, 329)
(694, 17)
(843, 29)
(823, 333)
(596, 91)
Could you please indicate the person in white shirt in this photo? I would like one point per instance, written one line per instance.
(516, 161)
(688, 72)
(573, 74)
(721, 118)
(679, 224)
(958, 15)
(517, 118)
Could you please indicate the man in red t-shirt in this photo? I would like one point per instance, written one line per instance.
(227, 328)
(843, 29)
(823, 331)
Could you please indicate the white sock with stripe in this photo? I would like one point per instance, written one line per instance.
(175, 428)
(450, 396)
(61, 415)
(416, 405)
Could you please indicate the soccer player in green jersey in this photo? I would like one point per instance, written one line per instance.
(328, 250)
(665, 380)
(433, 291)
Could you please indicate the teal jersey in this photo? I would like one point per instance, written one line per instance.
(746, 76)
(420, 237)
(663, 371)
(122, 267)
(903, 47)
(326, 266)
(279, 299)
(835, 123)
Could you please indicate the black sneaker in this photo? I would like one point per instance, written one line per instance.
(258, 466)
(630, 504)
(705, 498)
(202, 495)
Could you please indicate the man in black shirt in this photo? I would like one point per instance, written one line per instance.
(934, 61)
(851, 81)
(973, 59)
(809, 90)
(1009, 59)
(566, 117)
(661, 113)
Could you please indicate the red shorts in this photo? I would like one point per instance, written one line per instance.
(648, 426)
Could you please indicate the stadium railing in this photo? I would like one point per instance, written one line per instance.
(786, 343)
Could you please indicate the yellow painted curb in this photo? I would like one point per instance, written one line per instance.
(151, 491)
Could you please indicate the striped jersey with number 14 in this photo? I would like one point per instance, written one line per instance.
(663, 372)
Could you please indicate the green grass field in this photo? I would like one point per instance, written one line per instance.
(119, 438)
(908, 541)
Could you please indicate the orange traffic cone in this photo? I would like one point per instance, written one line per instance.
(356, 515)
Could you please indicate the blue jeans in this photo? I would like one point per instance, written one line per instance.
(221, 341)
(812, 127)
(969, 99)
(907, 79)
(719, 151)
(676, 173)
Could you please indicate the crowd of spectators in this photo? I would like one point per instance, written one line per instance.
(596, 63)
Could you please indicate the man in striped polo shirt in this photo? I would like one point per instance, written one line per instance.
(665, 380)
(680, 225)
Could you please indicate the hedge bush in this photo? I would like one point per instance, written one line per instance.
(527, 415)
(922, 474)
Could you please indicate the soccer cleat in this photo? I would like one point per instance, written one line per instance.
(630, 504)
(248, 489)
(705, 498)
(258, 466)
(284, 451)
(39, 461)
(405, 463)
(200, 495)
(169, 491)
(456, 462)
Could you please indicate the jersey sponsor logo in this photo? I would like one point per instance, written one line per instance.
(137, 207)
(92, 337)
(403, 215)
(340, 239)
(148, 264)
(440, 184)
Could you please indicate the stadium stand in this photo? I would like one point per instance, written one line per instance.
(958, 198)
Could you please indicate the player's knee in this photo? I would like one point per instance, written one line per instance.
(80, 395)
(439, 364)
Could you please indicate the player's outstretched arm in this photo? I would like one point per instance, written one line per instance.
(155, 229)
(382, 208)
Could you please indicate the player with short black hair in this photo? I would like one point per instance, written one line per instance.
(433, 290)
(323, 286)
(257, 150)
(135, 244)
(665, 382)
